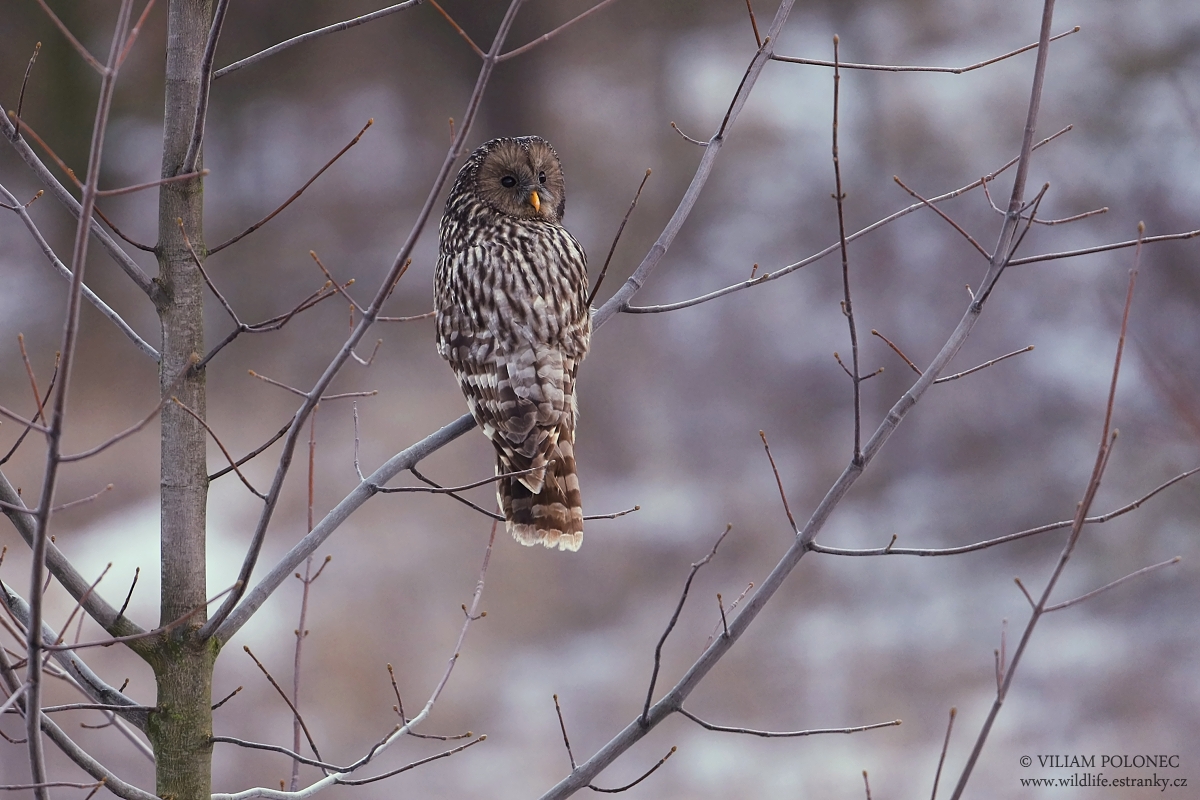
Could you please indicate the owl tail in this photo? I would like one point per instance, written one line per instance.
(553, 516)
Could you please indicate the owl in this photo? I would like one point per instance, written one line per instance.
(511, 293)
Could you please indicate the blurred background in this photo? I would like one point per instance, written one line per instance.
(671, 403)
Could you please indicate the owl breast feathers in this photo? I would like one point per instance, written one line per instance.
(512, 319)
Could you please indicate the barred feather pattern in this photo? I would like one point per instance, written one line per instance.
(512, 320)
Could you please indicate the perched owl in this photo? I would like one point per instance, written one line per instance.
(512, 319)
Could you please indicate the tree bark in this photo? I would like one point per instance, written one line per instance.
(181, 726)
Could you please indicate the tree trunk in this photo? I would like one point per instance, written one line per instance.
(181, 726)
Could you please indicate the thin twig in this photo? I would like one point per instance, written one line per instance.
(295, 194)
(678, 130)
(25, 81)
(413, 765)
(220, 444)
(545, 37)
(133, 33)
(150, 184)
(464, 487)
(1117, 582)
(92, 61)
(162, 629)
(137, 571)
(295, 711)
(274, 748)
(65, 272)
(847, 305)
(617, 238)
(778, 481)
(225, 700)
(733, 606)
(645, 775)
(479, 52)
(131, 430)
(200, 118)
(1167, 237)
(785, 734)
(985, 365)
(37, 396)
(951, 70)
(782, 271)
(754, 24)
(399, 730)
(1011, 537)
(307, 37)
(70, 336)
(251, 454)
(563, 727)
(946, 217)
(675, 618)
(114, 250)
(41, 404)
(1089, 494)
(896, 350)
(942, 758)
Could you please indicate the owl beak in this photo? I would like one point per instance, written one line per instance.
(536, 201)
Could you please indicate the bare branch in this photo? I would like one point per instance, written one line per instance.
(617, 238)
(159, 631)
(1168, 237)
(946, 217)
(942, 758)
(896, 350)
(92, 61)
(63, 270)
(458, 29)
(778, 481)
(1117, 582)
(295, 194)
(25, 81)
(278, 435)
(847, 307)
(563, 727)
(678, 130)
(985, 365)
(407, 767)
(1011, 537)
(292, 706)
(779, 273)
(548, 36)
(951, 70)
(754, 24)
(1089, 494)
(645, 775)
(274, 748)
(151, 184)
(192, 159)
(133, 33)
(785, 734)
(675, 618)
(306, 37)
(225, 700)
(342, 777)
(224, 451)
(136, 426)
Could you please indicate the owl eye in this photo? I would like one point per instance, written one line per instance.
(508, 181)
(541, 177)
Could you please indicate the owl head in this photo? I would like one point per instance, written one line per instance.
(518, 176)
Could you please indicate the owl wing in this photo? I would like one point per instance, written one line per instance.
(519, 387)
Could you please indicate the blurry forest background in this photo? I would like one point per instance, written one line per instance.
(671, 403)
